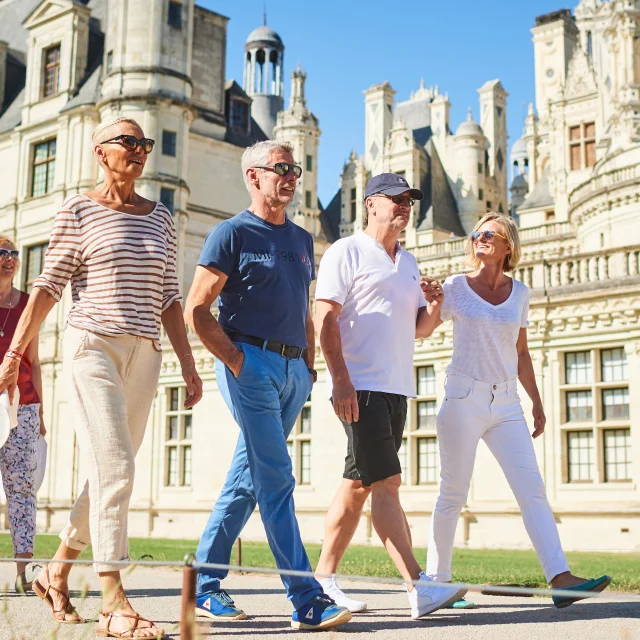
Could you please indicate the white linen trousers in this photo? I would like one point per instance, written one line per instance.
(472, 410)
(111, 382)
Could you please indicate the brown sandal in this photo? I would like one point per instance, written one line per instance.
(129, 633)
(43, 594)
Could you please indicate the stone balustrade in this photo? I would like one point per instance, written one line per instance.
(604, 182)
(527, 236)
(581, 269)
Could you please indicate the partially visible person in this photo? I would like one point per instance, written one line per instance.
(18, 455)
(118, 251)
(490, 354)
(369, 310)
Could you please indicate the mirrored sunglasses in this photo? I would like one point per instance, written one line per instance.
(282, 168)
(9, 253)
(484, 235)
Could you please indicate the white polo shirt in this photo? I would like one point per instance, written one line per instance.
(380, 301)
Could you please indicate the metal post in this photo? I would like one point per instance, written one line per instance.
(188, 614)
(239, 552)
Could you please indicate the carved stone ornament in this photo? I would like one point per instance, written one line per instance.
(580, 78)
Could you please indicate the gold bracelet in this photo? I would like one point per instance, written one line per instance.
(189, 355)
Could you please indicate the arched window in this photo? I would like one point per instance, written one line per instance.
(273, 61)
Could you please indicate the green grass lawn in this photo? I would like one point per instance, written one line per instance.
(470, 565)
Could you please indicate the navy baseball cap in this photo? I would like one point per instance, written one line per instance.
(391, 184)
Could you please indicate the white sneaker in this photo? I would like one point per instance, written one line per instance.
(333, 590)
(427, 596)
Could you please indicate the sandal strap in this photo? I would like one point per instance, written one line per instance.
(137, 617)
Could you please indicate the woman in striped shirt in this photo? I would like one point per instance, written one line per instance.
(118, 250)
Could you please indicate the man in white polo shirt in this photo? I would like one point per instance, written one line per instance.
(369, 310)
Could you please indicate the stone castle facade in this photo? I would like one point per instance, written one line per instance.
(572, 180)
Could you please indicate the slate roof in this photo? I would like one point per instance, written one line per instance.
(438, 208)
(330, 218)
(540, 195)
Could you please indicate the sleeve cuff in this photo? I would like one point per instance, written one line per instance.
(175, 297)
(54, 292)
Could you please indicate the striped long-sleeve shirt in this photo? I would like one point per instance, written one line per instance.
(122, 267)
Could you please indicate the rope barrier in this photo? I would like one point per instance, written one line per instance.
(189, 563)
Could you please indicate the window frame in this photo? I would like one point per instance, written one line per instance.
(600, 361)
(581, 145)
(165, 190)
(169, 143)
(175, 20)
(50, 167)
(298, 441)
(629, 460)
(47, 67)
(27, 284)
(414, 432)
(182, 443)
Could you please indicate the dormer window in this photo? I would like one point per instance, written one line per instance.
(51, 80)
(238, 115)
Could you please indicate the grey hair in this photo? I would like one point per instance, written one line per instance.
(260, 153)
(97, 136)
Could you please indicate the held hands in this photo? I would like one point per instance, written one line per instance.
(345, 401)
(539, 420)
(193, 382)
(432, 292)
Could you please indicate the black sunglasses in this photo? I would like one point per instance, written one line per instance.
(131, 143)
(9, 253)
(281, 168)
(477, 235)
(398, 199)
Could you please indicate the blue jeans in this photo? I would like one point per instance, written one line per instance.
(265, 401)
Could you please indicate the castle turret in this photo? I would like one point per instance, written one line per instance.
(300, 127)
(378, 105)
(470, 162)
(147, 76)
(493, 119)
(263, 80)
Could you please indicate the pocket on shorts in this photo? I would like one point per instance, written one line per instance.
(457, 390)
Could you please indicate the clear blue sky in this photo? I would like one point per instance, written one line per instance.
(346, 46)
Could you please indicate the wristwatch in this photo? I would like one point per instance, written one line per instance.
(314, 374)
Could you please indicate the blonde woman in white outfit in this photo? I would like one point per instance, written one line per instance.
(490, 354)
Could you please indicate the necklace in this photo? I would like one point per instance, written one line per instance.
(7, 316)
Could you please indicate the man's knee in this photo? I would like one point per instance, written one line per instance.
(391, 484)
(356, 491)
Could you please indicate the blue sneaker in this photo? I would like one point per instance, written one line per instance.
(218, 605)
(321, 612)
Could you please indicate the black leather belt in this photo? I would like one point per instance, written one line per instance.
(285, 350)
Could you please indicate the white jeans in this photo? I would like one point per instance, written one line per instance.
(473, 410)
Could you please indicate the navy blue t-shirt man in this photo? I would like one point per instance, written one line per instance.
(259, 265)
(269, 269)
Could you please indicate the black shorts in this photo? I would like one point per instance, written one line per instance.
(374, 441)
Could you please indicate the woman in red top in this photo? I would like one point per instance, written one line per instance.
(18, 455)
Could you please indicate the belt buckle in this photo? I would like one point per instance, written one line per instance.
(282, 350)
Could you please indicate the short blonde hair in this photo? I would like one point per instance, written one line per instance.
(4, 239)
(98, 136)
(508, 225)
